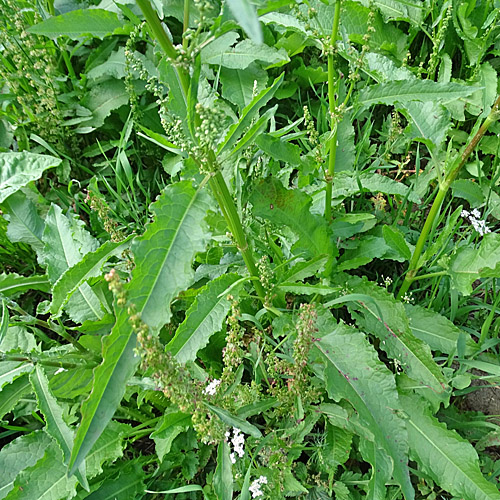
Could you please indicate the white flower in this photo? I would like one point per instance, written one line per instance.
(255, 486)
(211, 388)
(238, 442)
(476, 213)
(465, 213)
(475, 219)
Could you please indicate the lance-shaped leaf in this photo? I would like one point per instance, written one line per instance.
(23, 452)
(89, 267)
(437, 331)
(248, 114)
(17, 169)
(412, 90)
(223, 476)
(66, 241)
(245, 13)
(381, 469)
(291, 208)
(203, 318)
(12, 393)
(46, 480)
(444, 455)
(468, 264)
(56, 426)
(78, 23)
(10, 370)
(163, 257)
(234, 421)
(12, 283)
(354, 372)
(390, 324)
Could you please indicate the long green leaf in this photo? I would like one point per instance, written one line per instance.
(245, 13)
(248, 114)
(17, 169)
(56, 426)
(79, 23)
(89, 267)
(12, 283)
(223, 476)
(203, 318)
(10, 370)
(390, 324)
(234, 421)
(163, 257)
(354, 372)
(444, 455)
(412, 90)
(12, 393)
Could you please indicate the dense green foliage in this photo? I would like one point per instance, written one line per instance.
(249, 249)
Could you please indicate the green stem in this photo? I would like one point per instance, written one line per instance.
(163, 39)
(46, 362)
(429, 275)
(185, 23)
(332, 102)
(443, 189)
(226, 202)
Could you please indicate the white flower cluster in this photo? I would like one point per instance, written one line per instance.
(474, 218)
(238, 441)
(211, 388)
(255, 486)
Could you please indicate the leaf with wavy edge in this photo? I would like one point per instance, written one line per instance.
(89, 267)
(444, 455)
(13, 283)
(354, 372)
(17, 169)
(390, 324)
(23, 452)
(12, 393)
(55, 424)
(10, 370)
(291, 208)
(203, 318)
(163, 257)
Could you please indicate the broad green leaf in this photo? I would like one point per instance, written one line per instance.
(203, 318)
(336, 448)
(245, 13)
(25, 225)
(163, 258)
(243, 54)
(291, 208)
(89, 267)
(18, 338)
(397, 9)
(469, 264)
(428, 120)
(72, 382)
(395, 239)
(347, 420)
(238, 84)
(247, 115)
(46, 480)
(114, 66)
(97, 23)
(66, 241)
(18, 169)
(10, 370)
(12, 284)
(223, 476)
(234, 421)
(278, 149)
(23, 452)
(127, 485)
(167, 429)
(55, 424)
(354, 372)
(415, 90)
(305, 269)
(390, 324)
(347, 184)
(102, 99)
(468, 190)
(381, 469)
(444, 455)
(256, 408)
(437, 331)
(11, 393)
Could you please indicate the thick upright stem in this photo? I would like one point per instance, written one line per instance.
(332, 103)
(443, 189)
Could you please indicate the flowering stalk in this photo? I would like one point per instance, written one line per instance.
(217, 182)
(415, 263)
(332, 106)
